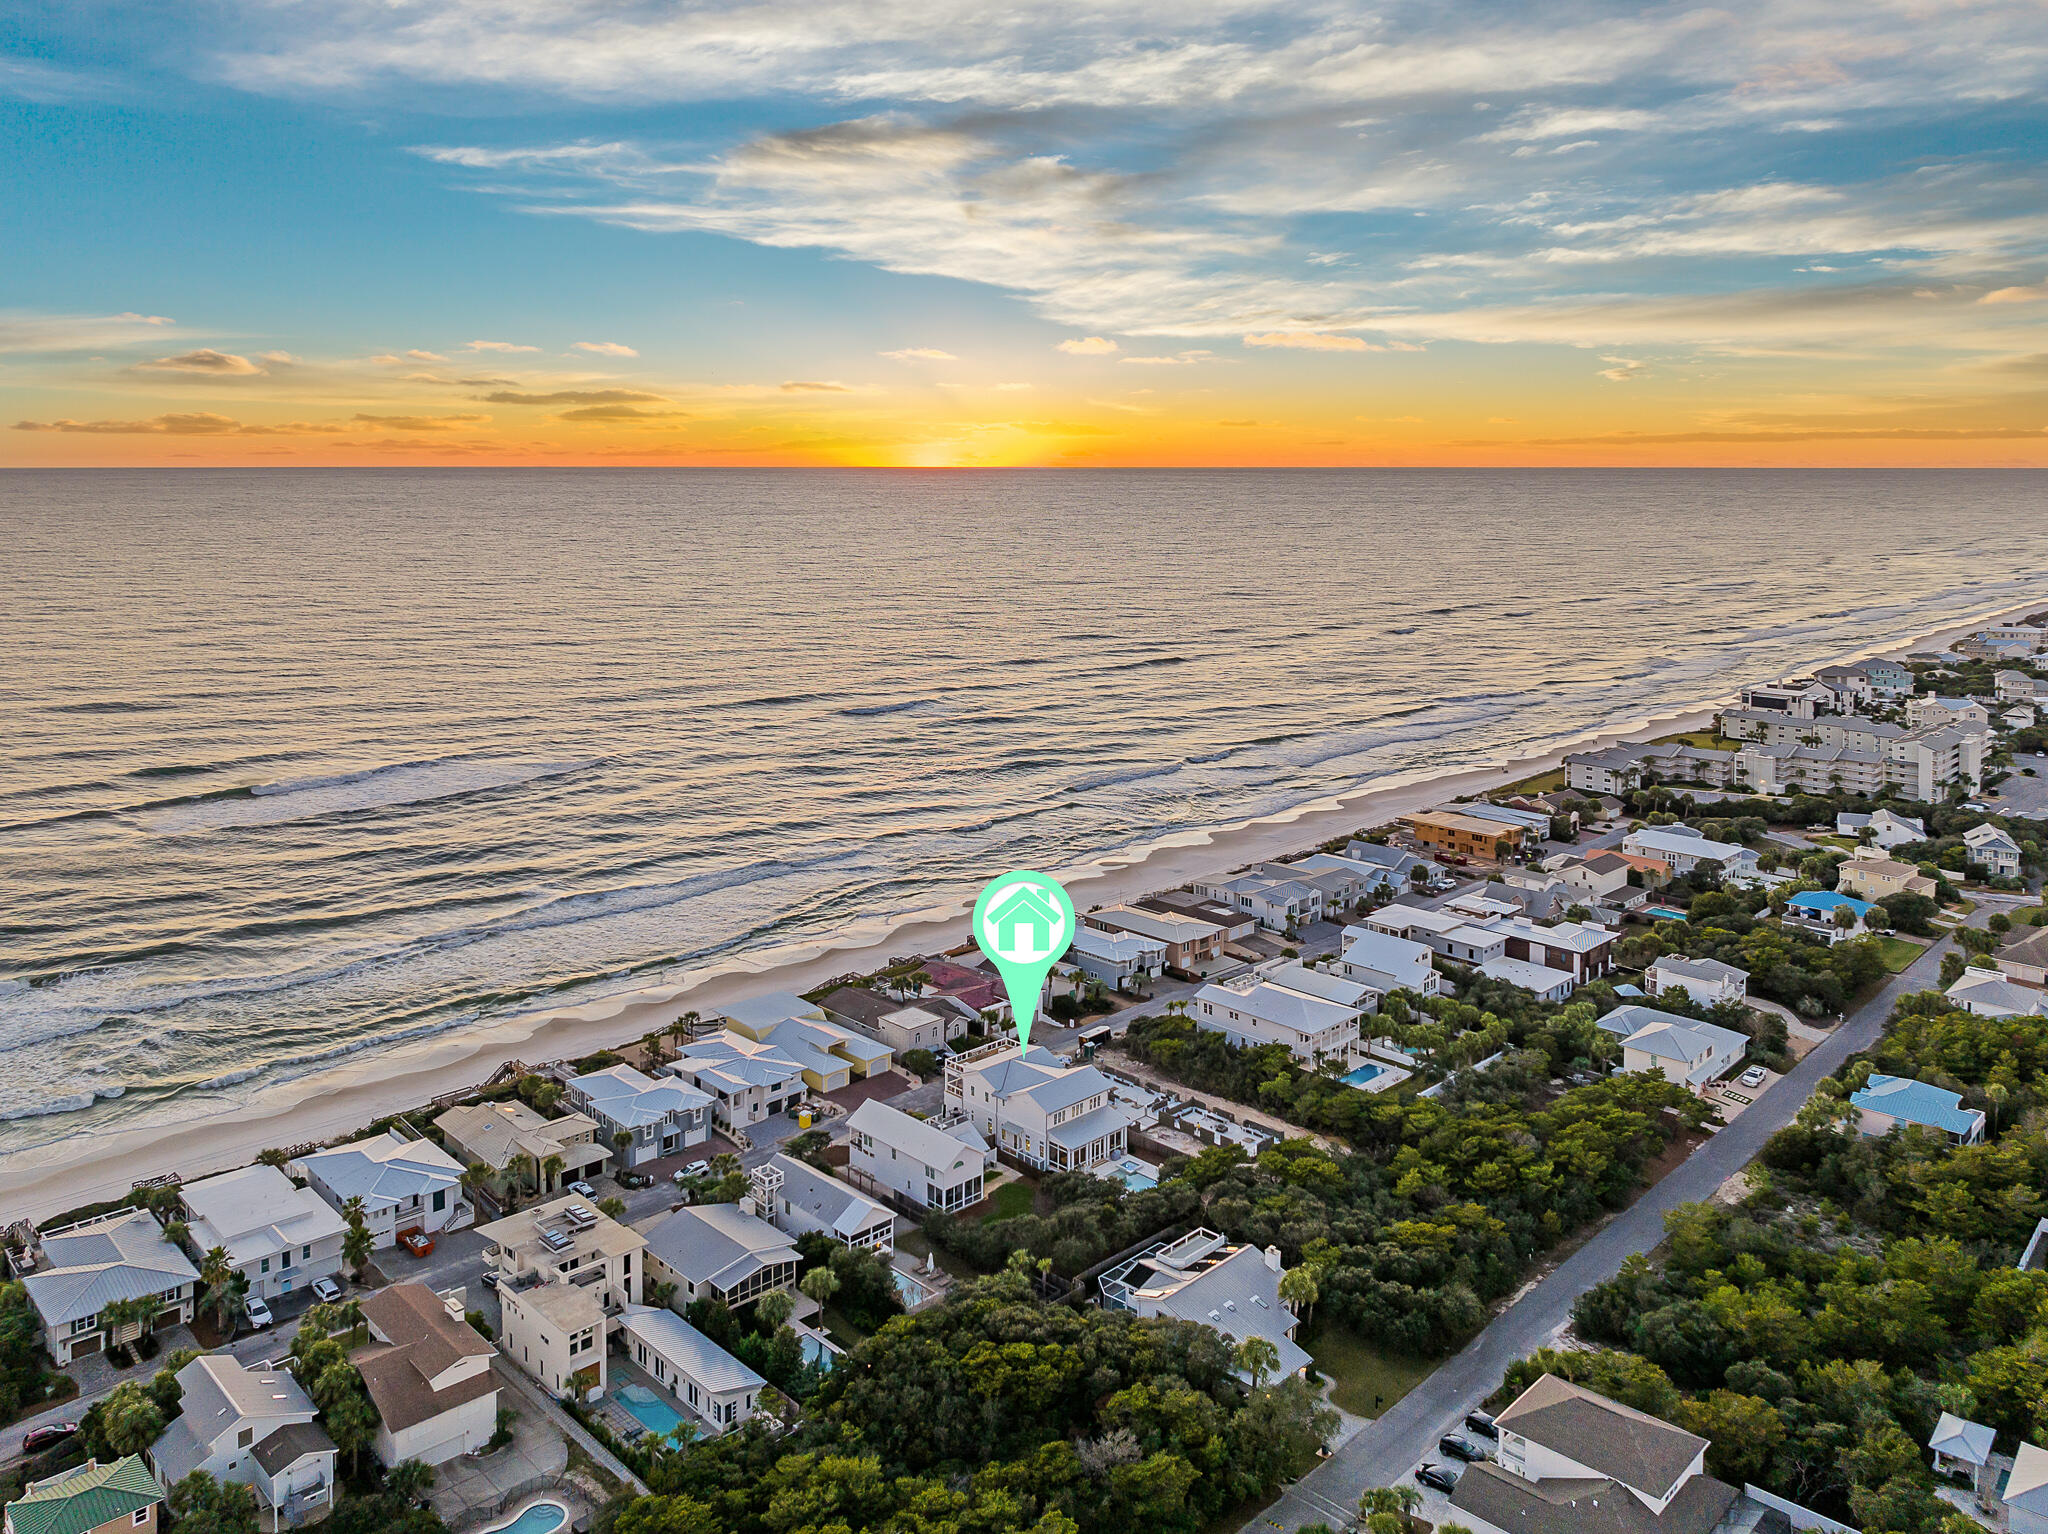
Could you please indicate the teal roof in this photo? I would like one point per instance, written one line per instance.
(86, 1498)
(1915, 1102)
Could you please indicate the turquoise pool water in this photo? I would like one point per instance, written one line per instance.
(1664, 913)
(541, 1518)
(647, 1409)
(1363, 1074)
(815, 1351)
(1132, 1174)
(913, 1293)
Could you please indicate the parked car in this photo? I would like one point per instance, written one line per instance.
(1481, 1423)
(1456, 1447)
(584, 1188)
(490, 1278)
(694, 1169)
(257, 1312)
(418, 1242)
(1438, 1477)
(37, 1439)
(326, 1290)
(1753, 1077)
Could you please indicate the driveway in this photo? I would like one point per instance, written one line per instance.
(1391, 1447)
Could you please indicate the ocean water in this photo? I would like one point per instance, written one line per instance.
(297, 764)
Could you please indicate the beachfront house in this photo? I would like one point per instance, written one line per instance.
(925, 1165)
(519, 1145)
(1804, 697)
(1383, 963)
(428, 1372)
(1886, 1103)
(1279, 903)
(719, 1252)
(1680, 851)
(124, 1497)
(831, 1056)
(657, 1116)
(900, 1025)
(746, 1081)
(252, 1426)
(716, 1388)
(1994, 848)
(1191, 943)
(1314, 1013)
(796, 1198)
(1199, 1277)
(278, 1236)
(1399, 871)
(76, 1272)
(1706, 981)
(405, 1185)
(565, 1274)
(1464, 835)
(1118, 959)
(1037, 1109)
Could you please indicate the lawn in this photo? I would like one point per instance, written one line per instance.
(1364, 1379)
(1543, 783)
(1706, 740)
(1011, 1200)
(1897, 953)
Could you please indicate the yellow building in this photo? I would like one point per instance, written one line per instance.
(1467, 835)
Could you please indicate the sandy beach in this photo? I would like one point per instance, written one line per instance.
(334, 1101)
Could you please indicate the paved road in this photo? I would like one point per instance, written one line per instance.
(1390, 1448)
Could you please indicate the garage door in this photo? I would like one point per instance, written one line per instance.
(85, 1347)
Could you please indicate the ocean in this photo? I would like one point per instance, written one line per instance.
(300, 764)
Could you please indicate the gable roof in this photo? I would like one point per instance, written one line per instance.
(497, 1132)
(946, 1150)
(384, 1169)
(118, 1259)
(775, 1007)
(1988, 990)
(1698, 969)
(1642, 1452)
(737, 1059)
(1915, 1102)
(690, 1350)
(840, 1209)
(419, 1342)
(292, 1443)
(1586, 1506)
(2027, 1486)
(1684, 1041)
(80, 1500)
(632, 1099)
(719, 1244)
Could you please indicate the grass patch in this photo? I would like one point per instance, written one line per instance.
(1010, 1200)
(1543, 783)
(1706, 740)
(841, 1330)
(915, 1244)
(1897, 953)
(1364, 1379)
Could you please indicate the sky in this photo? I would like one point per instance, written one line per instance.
(954, 233)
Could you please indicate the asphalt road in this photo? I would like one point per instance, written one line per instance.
(1389, 1448)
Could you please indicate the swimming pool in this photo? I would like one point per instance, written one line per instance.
(1135, 1174)
(1664, 913)
(647, 1409)
(912, 1292)
(1363, 1074)
(536, 1518)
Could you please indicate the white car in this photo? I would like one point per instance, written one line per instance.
(326, 1290)
(257, 1311)
(583, 1188)
(1753, 1077)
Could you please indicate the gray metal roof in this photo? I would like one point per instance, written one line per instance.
(690, 1350)
(840, 1209)
(718, 1244)
(123, 1259)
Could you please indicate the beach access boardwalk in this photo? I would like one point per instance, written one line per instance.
(1388, 1449)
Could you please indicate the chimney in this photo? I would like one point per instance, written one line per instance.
(1273, 1258)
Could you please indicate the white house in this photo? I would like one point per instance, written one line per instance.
(1384, 963)
(428, 1372)
(1445, 933)
(1887, 830)
(1598, 876)
(1032, 1104)
(277, 1235)
(1800, 698)
(1687, 1052)
(1545, 983)
(252, 1426)
(795, 1197)
(1993, 847)
(1117, 958)
(1682, 850)
(1199, 1277)
(930, 1167)
(405, 1185)
(1279, 905)
(565, 1274)
(746, 1080)
(719, 1251)
(1707, 981)
(718, 1390)
(2026, 1491)
(661, 1116)
(1565, 1455)
(1316, 1015)
(79, 1270)
(1991, 993)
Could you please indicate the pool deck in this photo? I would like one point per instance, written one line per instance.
(467, 1490)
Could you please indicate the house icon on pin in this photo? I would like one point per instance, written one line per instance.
(1023, 925)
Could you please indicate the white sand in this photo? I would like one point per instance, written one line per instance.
(330, 1103)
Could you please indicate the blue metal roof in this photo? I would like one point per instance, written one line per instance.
(1829, 900)
(1915, 1102)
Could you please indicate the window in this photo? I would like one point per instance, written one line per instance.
(140, 1518)
(285, 1258)
(244, 1438)
(266, 1265)
(440, 1199)
(306, 1252)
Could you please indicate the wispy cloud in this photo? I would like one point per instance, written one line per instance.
(1087, 346)
(498, 346)
(577, 397)
(1311, 341)
(919, 354)
(184, 424)
(606, 348)
(205, 360)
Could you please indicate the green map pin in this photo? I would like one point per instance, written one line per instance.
(1023, 922)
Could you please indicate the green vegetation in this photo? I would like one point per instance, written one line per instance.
(992, 1413)
(1802, 972)
(1896, 953)
(1364, 1380)
(27, 1383)
(1010, 1200)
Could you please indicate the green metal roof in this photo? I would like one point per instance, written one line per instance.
(86, 1498)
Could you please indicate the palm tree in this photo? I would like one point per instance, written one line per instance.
(1298, 1288)
(1996, 1094)
(530, 1165)
(775, 1307)
(218, 1274)
(552, 1169)
(1258, 1358)
(356, 1243)
(477, 1177)
(175, 1232)
(273, 1157)
(683, 1028)
(659, 1292)
(820, 1284)
(409, 1481)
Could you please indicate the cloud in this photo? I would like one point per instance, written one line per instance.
(188, 424)
(621, 413)
(55, 333)
(606, 348)
(1622, 369)
(421, 422)
(1311, 341)
(499, 346)
(418, 354)
(813, 386)
(1824, 434)
(577, 397)
(919, 354)
(2032, 295)
(1177, 360)
(1090, 346)
(206, 361)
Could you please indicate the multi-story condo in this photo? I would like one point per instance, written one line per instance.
(565, 1274)
(1928, 762)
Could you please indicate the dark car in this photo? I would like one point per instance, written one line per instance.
(1455, 1447)
(37, 1439)
(1438, 1477)
(1479, 1422)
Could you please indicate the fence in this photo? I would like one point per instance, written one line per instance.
(1803, 1518)
(477, 1517)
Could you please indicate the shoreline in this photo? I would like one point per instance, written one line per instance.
(329, 1103)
